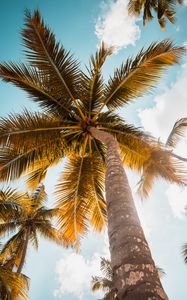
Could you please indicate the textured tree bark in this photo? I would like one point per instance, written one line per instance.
(134, 272)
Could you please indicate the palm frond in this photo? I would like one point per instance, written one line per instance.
(39, 196)
(165, 10)
(106, 268)
(178, 131)
(44, 213)
(8, 227)
(32, 127)
(50, 233)
(100, 283)
(93, 83)
(9, 206)
(14, 162)
(137, 76)
(184, 252)
(36, 174)
(161, 272)
(74, 195)
(37, 85)
(161, 164)
(50, 58)
(13, 248)
(13, 285)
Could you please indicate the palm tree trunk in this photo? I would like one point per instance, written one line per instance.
(134, 272)
(20, 267)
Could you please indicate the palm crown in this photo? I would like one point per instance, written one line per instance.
(11, 281)
(72, 102)
(165, 10)
(32, 219)
(105, 283)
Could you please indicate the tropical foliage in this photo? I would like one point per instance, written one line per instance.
(13, 285)
(25, 224)
(178, 131)
(72, 102)
(105, 283)
(165, 10)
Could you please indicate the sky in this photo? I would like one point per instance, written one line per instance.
(80, 25)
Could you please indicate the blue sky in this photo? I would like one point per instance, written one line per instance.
(75, 23)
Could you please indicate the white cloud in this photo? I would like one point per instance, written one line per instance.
(169, 107)
(115, 27)
(177, 198)
(74, 272)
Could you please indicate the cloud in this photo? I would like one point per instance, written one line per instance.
(74, 272)
(169, 107)
(115, 27)
(177, 198)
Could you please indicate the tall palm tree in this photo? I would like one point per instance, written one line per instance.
(76, 124)
(165, 10)
(31, 220)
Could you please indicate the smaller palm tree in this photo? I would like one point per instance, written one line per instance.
(13, 285)
(30, 220)
(165, 10)
(105, 283)
(178, 131)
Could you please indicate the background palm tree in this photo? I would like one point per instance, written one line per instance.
(74, 125)
(32, 219)
(178, 131)
(105, 283)
(13, 285)
(165, 10)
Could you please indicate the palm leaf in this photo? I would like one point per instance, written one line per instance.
(36, 174)
(13, 283)
(184, 252)
(165, 10)
(161, 164)
(32, 127)
(14, 162)
(50, 58)
(106, 268)
(33, 81)
(50, 233)
(73, 197)
(178, 131)
(137, 76)
(93, 84)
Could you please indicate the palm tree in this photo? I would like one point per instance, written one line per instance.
(13, 285)
(178, 131)
(165, 10)
(106, 283)
(32, 219)
(76, 124)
